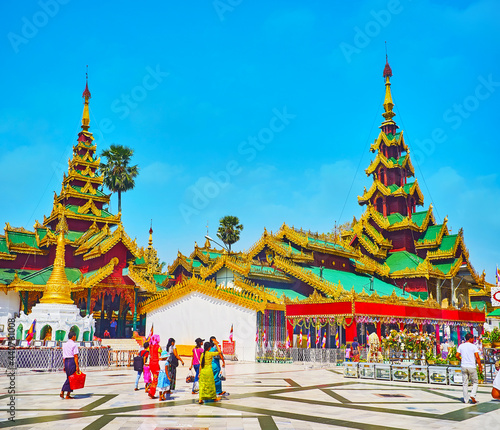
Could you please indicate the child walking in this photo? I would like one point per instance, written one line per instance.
(163, 381)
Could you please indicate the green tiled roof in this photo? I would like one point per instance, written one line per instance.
(211, 255)
(357, 281)
(431, 233)
(3, 246)
(74, 235)
(446, 267)
(495, 313)
(42, 232)
(418, 217)
(291, 294)
(408, 186)
(394, 218)
(264, 269)
(480, 305)
(37, 277)
(324, 243)
(391, 136)
(448, 242)
(98, 193)
(402, 260)
(160, 278)
(74, 209)
(7, 275)
(40, 277)
(27, 238)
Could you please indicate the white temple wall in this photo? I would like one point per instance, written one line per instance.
(9, 305)
(197, 315)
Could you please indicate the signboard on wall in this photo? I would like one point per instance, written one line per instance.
(227, 347)
(495, 296)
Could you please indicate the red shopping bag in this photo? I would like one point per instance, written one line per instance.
(77, 380)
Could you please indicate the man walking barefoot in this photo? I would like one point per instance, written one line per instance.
(468, 354)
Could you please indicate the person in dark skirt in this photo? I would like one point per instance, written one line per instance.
(70, 357)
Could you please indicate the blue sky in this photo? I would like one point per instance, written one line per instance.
(263, 110)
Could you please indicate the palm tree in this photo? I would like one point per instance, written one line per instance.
(229, 230)
(118, 175)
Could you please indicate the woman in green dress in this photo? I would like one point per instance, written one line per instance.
(207, 382)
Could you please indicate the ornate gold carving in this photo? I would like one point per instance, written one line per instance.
(99, 275)
(58, 289)
(328, 288)
(241, 298)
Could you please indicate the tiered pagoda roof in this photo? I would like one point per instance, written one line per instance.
(392, 251)
(99, 253)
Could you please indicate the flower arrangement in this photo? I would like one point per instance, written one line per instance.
(495, 335)
(430, 357)
(452, 356)
(442, 362)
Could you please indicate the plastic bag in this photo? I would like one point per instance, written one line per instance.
(223, 374)
(196, 387)
(147, 375)
(77, 380)
(190, 377)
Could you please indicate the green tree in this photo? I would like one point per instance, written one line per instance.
(229, 230)
(119, 176)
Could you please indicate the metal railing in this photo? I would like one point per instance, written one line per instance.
(51, 359)
(334, 356)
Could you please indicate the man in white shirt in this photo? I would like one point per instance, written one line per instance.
(495, 391)
(70, 357)
(468, 354)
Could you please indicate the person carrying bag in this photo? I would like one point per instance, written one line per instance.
(71, 367)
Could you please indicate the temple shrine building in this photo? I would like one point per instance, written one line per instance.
(108, 273)
(396, 266)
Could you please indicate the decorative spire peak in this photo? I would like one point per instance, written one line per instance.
(388, 126)
(150, 243)
(387, 68)
(86, 95)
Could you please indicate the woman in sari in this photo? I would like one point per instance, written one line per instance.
(154, 365)
(207, 382)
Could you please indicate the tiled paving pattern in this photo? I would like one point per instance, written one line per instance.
(262, 396)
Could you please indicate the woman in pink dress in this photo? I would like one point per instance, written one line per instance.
(154, 365)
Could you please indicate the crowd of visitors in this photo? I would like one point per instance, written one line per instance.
(159, 368)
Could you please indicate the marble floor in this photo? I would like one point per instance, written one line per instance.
(261, 396)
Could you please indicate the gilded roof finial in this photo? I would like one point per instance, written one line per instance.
(150, 243)
(388, 104)
(57, 289)
(86, 95)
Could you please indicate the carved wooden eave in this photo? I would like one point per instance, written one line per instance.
(327, 288)
(99, 275)
(140, 280)
(225, 260)
(109, 242)
(180, 261)
(209, 288)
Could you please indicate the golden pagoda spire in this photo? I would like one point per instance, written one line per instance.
(86, 96)
(58, 289)
(150, 243)
(388, 104)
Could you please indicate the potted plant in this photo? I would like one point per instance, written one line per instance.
(442, 362)
(452, 356)
(485, 340)
(495, 338)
